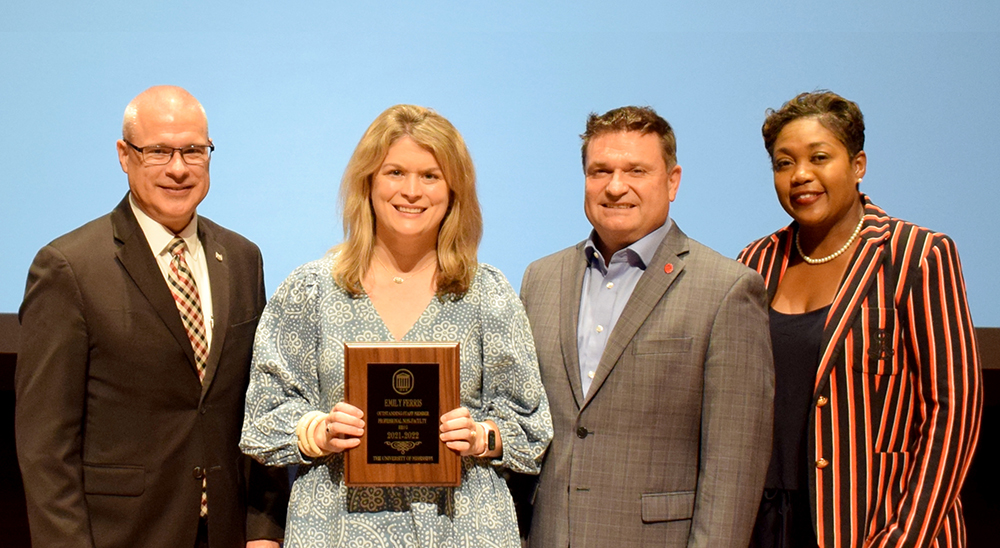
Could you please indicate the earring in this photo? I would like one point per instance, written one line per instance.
(859, 180)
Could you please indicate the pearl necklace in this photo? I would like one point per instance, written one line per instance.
(400, 279)
(835, 254)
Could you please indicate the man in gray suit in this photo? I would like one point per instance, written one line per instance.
(656, 358)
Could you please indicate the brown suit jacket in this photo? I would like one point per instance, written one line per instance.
(114, 429)
(670, 446)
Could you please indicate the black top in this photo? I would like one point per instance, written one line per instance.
(796, 340)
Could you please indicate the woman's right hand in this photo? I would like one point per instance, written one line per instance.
(341, 430)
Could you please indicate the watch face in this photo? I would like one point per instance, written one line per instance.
(491, 440)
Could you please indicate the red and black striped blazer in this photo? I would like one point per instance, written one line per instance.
(898, 394)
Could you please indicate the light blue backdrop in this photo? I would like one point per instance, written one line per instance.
(289, 91)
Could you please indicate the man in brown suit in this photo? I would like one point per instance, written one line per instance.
(656, 358)
(130, 392)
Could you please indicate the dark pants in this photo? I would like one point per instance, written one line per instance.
(784, 520)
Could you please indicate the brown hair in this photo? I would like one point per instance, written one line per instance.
(631, 118)
(462, 227)
(842, 117)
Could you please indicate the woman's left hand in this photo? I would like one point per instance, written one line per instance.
(462, 434)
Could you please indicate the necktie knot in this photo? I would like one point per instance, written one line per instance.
(177, 246)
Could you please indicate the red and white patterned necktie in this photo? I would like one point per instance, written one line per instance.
(185, 293)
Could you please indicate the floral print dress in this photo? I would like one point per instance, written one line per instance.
(298, 367)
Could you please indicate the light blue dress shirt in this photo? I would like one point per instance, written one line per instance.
(606, 290)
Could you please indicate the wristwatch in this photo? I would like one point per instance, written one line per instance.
(491, 439)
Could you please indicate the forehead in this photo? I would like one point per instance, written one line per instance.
(170, 121)
(405, 149)
(807, 132)
(631, 146)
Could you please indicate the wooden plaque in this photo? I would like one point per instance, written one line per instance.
(403, 389)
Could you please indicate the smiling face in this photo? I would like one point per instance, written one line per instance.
(168, 193)
(815, 177)
(629, 188)
(409, 196)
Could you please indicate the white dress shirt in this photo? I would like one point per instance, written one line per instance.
(158, 237)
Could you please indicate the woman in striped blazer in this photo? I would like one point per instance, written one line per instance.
(877, 376)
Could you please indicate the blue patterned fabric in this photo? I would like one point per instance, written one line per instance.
(298, 367)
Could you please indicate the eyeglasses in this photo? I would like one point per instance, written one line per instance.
(158, 155)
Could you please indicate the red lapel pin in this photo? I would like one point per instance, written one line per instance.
(668, 268)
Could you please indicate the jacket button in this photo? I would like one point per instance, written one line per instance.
(198, 472)
(821, 401)
(822, 463)
(581, 432)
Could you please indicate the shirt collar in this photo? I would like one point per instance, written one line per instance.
(159, 236)
(639, 253)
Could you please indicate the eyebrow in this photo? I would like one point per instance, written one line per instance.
(398, 166)
(810, 146)
(165, 145)
(630, 165)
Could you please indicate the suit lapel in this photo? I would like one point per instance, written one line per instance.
(218, 277)
(571, 287)
(780, 251)
(652, 285)
(137, 259)
(860, 275)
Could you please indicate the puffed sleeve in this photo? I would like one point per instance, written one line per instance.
(284, 379)
(513, 395)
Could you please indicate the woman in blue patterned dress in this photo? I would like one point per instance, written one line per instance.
(407, 271)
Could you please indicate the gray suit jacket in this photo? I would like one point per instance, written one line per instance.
(114, 429)
(670, 446)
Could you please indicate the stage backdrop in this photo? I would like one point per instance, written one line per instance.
(289, 90)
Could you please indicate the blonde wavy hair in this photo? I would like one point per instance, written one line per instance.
(462, 227)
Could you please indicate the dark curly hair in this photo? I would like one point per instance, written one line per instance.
(842, 117)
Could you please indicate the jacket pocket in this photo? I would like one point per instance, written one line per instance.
(662, 346)
(887, 475)
(105, 479)
(876, 347)
(245, 325)
(673, 506)
(242, 330)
